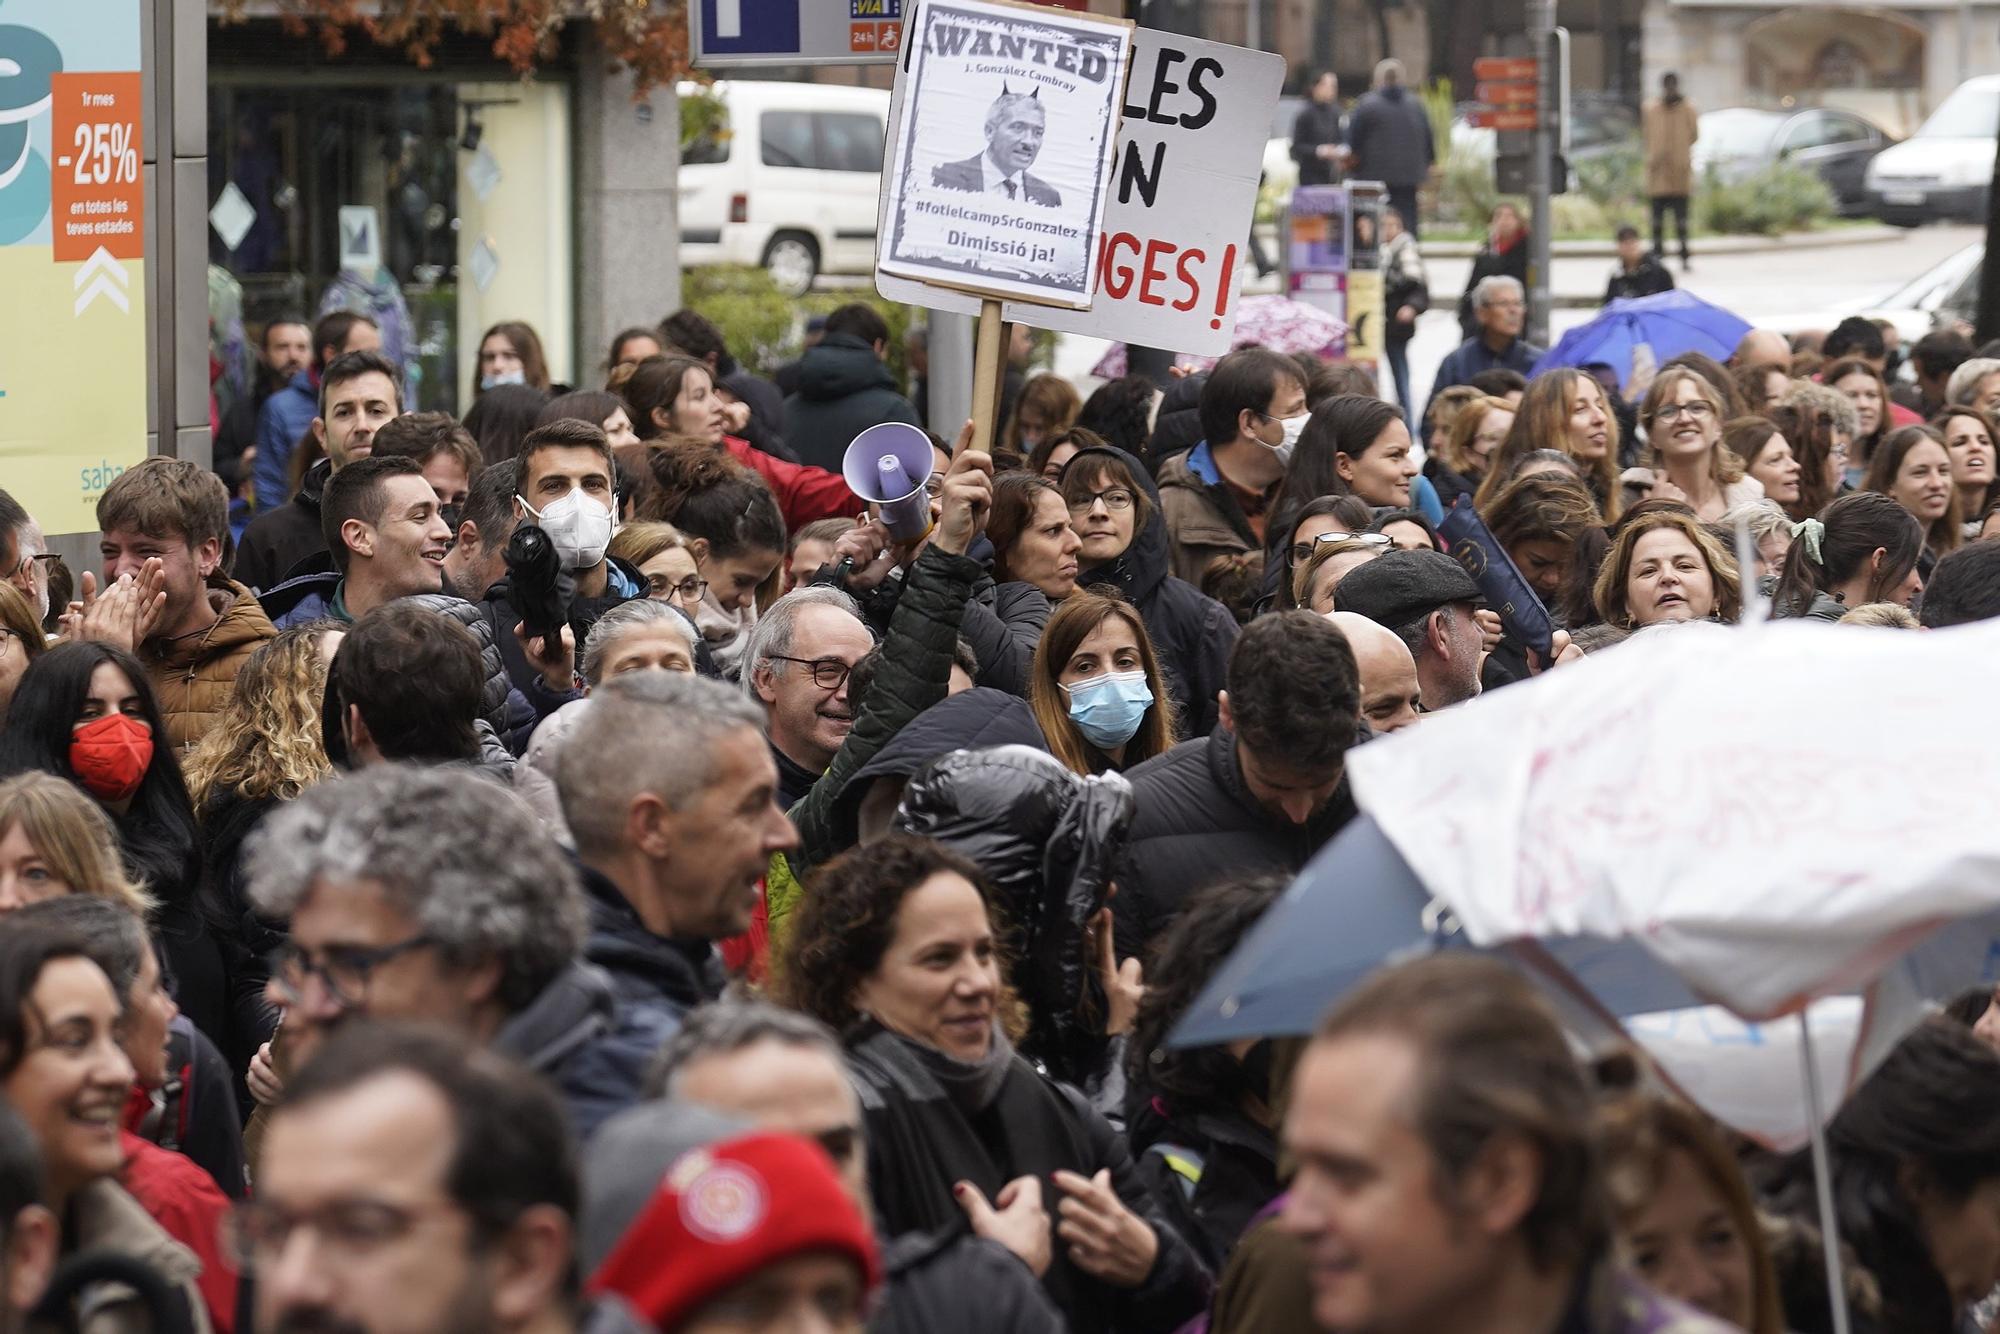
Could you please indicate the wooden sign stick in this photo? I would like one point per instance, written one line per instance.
(986, 372)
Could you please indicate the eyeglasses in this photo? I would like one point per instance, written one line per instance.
(1301, 552)
(1117, 499)
(347, 1231)
(827, 673)
(344, 972)
(1694, 411)
(691, 589)
(46, 561)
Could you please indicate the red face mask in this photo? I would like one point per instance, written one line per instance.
(110, 755)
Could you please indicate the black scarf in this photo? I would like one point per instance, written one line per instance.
(921, 1143)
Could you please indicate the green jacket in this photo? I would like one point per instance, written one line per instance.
(915, 674)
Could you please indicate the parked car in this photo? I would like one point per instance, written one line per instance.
(788, 180)
(1739, 142)
(1937, 298)
(1945, 169)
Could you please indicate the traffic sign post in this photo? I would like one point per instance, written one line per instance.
(730, 34)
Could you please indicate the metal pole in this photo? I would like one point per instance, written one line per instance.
(1964, 40)
(1541, 38)
(950, 374)
(1822, 1180)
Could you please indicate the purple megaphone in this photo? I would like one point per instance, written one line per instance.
(887, 466)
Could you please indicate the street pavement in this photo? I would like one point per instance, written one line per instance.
(1787, 281)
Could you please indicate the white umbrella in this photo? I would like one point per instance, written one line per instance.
(1711, 794)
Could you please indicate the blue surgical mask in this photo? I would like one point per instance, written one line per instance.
(503, 377)
(1108, 709)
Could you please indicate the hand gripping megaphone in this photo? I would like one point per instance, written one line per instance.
(887, 466)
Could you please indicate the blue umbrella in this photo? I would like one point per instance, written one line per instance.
(1358, 906)
(1670, 324)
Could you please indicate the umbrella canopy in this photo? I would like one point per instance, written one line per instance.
(1667, 324)
(1272, 321)
(1651, 829)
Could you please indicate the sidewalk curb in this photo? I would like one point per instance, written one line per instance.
(1707, 245)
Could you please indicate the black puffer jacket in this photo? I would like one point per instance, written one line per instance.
(1197, 824)
(915, 674)
(1048, 841)
(843, 390)
(1191, 632)
(948, 1279)
(975, 719)
(1002, 622)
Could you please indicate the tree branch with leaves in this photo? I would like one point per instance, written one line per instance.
(648, 37)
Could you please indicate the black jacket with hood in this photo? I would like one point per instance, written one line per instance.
(1191, 632)
(1197, 824)
(843, 390)
(280, 538)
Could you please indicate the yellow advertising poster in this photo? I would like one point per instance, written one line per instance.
(1364, 316)
(72, 257)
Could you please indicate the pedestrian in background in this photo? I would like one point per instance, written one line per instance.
(1670, 128)
(1319, 140)
(1389, 140)
(1406, 294)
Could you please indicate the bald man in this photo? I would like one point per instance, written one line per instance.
(1388, 673)
(1762, 347)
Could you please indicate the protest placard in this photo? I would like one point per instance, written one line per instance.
(1183, 196)
(1000, 163)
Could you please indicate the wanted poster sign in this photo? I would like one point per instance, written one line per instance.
(1183, 194)
(1001, 162)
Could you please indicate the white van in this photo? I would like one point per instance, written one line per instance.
(789, 182)
(1945, 169)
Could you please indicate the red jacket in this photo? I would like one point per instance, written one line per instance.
(805, 495)
(185, 1201)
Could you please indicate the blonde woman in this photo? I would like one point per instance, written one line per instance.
(1683, 415)
(54, 840)
(664, 557)
(264, 750)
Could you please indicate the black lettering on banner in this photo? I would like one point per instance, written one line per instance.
(1133, 174)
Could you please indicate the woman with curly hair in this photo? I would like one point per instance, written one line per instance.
(264, 750)
(894, 947)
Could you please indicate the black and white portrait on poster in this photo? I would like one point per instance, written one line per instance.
(998, 177)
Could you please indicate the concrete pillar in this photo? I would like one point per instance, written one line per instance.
(175, 145)
(628, 268)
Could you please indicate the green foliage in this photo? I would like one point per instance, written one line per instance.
(704, 125)
(1615, 179)
(1783, 197)
(757, 320)
(1438, 105)
(1466, 192)
(764, 327)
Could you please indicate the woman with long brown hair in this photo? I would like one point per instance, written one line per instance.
(1913, 467)
(1862, 384)
(1563, 410)
(1819, 442)
(1682, 1214)
(1096, 687)
(1047, 405)
(1970, 437)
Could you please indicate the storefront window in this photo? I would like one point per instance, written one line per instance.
(296, 158)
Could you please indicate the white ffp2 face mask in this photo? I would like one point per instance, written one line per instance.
(581, 527)
(1292, 428)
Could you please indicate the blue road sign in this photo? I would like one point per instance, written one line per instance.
(750, 27)
(739, 33)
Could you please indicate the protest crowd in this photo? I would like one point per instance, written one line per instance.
(575, 868)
